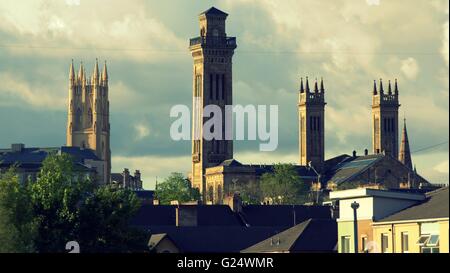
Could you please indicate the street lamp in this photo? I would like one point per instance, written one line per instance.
(310, 165)
(355, 206)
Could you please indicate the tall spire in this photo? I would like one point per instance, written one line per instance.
(390, 88)
(316, 87)
(405, 153)
(104, 74)
(322, 88)
(71, 72)
(375, 92)
(307, 85)
(95, 75)
(80, 72)
(381, 87)
(396, 88)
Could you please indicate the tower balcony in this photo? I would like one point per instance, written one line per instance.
(213, 41)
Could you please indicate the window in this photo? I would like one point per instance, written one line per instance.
(405, 242)
(429, 243)
(223, 86)
(384, 243)
(211, 86)
(345, 244)
(217, 86)
(364, 244)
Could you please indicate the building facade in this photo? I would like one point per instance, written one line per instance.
(311, 111)
(385, 119)
(88, 124)
(212, 52)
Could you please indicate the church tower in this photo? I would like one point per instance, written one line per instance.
(212, 52)
(311, 111)
(405, 153)
(88, 114)
(385, 119)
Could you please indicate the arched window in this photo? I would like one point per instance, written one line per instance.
(79, 118)
(211, 193)
(90, 117)
(219, 194)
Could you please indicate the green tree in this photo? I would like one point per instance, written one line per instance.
(176, 187)
(68, 207)
(17, 226)
(249, 191)
(104, 222)
(284, 185)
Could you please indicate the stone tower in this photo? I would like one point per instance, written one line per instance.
(385, 119)
(212, 85)
(311, 111)
(88, 114)
(405, 153)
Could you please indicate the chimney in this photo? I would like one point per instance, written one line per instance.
(17, 147)
(186, 216)
(366, 152)
(137, 178)
(126, 178)
(354, 153)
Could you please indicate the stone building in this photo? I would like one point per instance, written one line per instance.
(126, 180)
(212, 52)
(88, 114)
(216, 173)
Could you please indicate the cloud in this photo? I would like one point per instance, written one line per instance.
(142, 131)
(410, 68)
(14, 88)
(442, 167)
(373, 2)
(445, 43)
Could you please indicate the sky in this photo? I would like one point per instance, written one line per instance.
(349, 43)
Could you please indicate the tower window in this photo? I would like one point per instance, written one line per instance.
(211, 78)
(223, 86)
(217, 86)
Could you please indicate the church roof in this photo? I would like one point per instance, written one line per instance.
(231, 163)
(214, 11)
(312, 235)
(348, 167)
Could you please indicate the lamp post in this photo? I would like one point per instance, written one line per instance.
(355, 206)
(318, 181)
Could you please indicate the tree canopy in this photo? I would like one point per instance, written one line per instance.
(284, 186)
(64, 205)
(176, 187)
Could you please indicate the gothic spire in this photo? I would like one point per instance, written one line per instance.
(80, 72)
(316, 87)
(381, 87)
(375, 92)
(71, 72)
(95, 75)
(390, 88)
(322, 88)
(405, 153)
(307, 85)
(396, 88)
(104, 73)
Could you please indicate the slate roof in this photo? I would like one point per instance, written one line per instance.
(435, 206)
(347, 166)
(33, 157)
(260, 169)
(283, 215)
(312, 235)
(214, 11)
(164, 215)
(213, 239)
